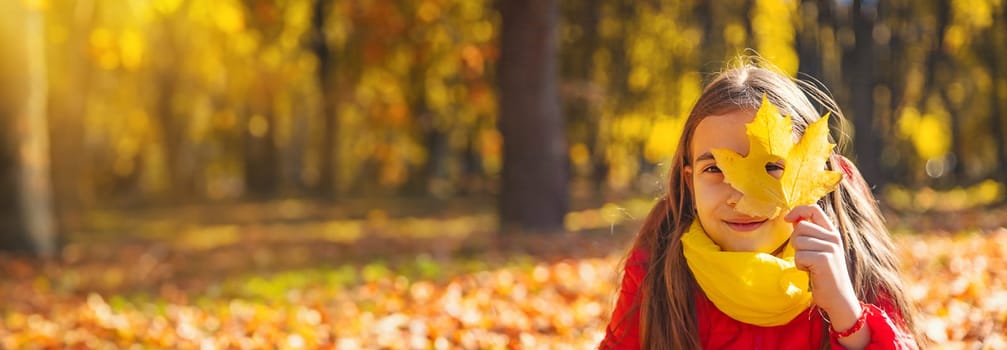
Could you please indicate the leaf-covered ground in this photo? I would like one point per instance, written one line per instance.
(550, 293)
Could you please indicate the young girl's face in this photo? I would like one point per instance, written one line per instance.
(715, 199)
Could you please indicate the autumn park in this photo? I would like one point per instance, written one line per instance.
(448, 174)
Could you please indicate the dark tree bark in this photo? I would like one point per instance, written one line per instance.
(261, 166)
(939, 69)
(292, 152)
(994, 56)
(181, 164)
(179, 170)
(26, 215)
(434, 139)
(328, 176)
(858, 65)
(533, 193)
(578, 91)
(809, 51)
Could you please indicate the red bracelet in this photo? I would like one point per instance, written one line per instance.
(861, 321)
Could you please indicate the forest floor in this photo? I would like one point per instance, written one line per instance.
(282, 275)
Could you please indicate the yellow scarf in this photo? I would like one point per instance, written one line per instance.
(754, 288)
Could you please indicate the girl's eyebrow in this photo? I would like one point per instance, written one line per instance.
(704, 156)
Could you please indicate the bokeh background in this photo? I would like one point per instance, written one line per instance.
(444, 173)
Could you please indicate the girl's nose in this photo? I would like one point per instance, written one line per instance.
(732, 200)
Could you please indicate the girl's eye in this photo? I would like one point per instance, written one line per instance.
(712, 169)
(770, 167)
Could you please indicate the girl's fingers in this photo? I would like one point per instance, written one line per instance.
(813, 244)
(806, 260)
(804, 228)
(811, 213)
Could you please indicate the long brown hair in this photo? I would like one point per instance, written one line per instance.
(667, 315)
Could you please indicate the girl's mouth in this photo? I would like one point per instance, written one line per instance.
(745, 226)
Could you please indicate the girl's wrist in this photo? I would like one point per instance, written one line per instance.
(858, 325)
(845, 317)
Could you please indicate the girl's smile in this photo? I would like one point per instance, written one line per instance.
(745, 226)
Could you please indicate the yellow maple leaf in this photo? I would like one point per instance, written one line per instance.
(804, 180)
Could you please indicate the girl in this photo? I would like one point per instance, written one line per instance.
(694, 231)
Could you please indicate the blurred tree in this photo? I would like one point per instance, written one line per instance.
(69, 90)
(180, 101)
(169, 81)
(319, 45)
(581, 42)
(533, 192)
(28, 223)
(858, 65)
(814, 19)
(995, 48)
(939, 67)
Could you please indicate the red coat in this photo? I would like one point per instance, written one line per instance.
(719, 331)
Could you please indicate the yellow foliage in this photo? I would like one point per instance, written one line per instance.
(987, 192)
(689, 89)
(258, 126)
(473, 59)
(579, 154)
(609, 28)
(955, 199)
(36, 5)
(131, 46)
(631, 126)
(639, 78)
(773, 24)
(228, 17)
(928, 133)
(735, 34)
(167, 7)
(101, 38)
(932, 139)
(909, 120)
(339, 24)
(428, 11)
(272, 57)
(472, 10)
(482, 31)
(955, 37)
(491, 146)
(663, 139)
(974, 13)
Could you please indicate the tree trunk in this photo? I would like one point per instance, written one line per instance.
(580, 104)
(892, 69)
(434, 140)
(533, 193)
(809, 52)
(997, 125)
(73, 189)
(858, 65)
(939, 69)
(328, 176)
(293, 150)
(26, 179)
(180, 170)
(994, 56)
(261, 173)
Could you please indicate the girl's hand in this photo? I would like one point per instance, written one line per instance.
(820, 252)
